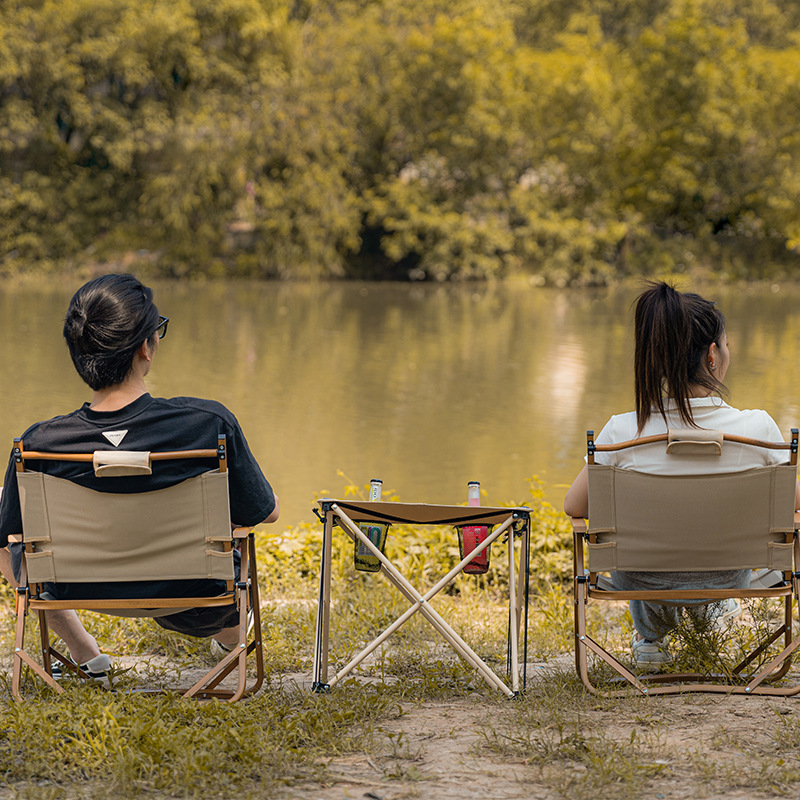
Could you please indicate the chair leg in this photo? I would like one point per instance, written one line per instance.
(44, 635)
(21, 656)
(787, 615)
(762, 683)
(584, 643)
(19, 642)
(780, 665)
(784, 630)
(581, 651)
(247, 598)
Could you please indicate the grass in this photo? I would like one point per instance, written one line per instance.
(125, 744)
(633, 747)
(95, 744)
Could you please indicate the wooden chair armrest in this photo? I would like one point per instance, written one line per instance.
(241, 533)
(796, 522)
(578, 525)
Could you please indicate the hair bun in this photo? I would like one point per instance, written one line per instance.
(108, 319)
(76, 319)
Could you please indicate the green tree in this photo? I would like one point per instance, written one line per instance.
(700, 159)
(377, 139)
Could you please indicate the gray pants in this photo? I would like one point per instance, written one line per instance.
(654, 620)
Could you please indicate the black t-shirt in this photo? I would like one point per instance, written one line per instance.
(148, 423)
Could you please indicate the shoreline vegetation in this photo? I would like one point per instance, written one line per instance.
(570, 142)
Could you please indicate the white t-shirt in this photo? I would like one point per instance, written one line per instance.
(711, 413)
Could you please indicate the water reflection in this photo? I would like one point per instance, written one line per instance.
(426, 387)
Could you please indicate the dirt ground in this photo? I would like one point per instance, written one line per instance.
(691, 746)
(447, 760)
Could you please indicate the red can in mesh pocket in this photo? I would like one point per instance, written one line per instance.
(470, 537)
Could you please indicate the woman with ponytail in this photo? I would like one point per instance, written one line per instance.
(681, 358)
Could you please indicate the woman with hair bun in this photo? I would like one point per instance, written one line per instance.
(113, 329)
(681, 358)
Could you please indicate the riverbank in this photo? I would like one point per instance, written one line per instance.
(697, 260)
(407, 740)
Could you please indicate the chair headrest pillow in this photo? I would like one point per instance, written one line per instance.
(694, 442)
(118, 463)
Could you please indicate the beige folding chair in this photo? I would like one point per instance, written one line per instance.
(75, 535)
(690, 523)
(514, 522)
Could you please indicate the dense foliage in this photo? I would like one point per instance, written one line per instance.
(569, 139)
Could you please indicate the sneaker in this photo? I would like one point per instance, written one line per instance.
(721, 615)
(96, 668)
(219, 650)
(649, 654)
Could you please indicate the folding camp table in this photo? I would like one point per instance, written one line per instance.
(514, 522)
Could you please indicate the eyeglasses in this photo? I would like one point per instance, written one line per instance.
(161, 328)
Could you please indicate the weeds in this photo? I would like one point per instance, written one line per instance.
(698, 645)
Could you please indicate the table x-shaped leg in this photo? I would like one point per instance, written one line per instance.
(421, 603)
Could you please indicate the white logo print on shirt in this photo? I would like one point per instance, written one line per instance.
(115, 437)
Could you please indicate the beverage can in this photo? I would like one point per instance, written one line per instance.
(364, 559)
(472, 536)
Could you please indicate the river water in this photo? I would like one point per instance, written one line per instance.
(423, 386)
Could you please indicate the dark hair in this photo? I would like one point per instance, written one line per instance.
(673, 334)
(108, 320)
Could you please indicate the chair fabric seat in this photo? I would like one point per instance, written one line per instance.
(167, 553)
(690, 523)
(79, 535)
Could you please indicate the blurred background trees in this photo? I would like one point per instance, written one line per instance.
(572, 140)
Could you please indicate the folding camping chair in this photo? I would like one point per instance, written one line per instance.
(514, 522)
(690, 523)
(73, 534)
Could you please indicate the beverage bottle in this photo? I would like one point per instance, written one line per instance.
(364, 560)
(471, 536)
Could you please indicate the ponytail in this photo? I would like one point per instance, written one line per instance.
(673, 333)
